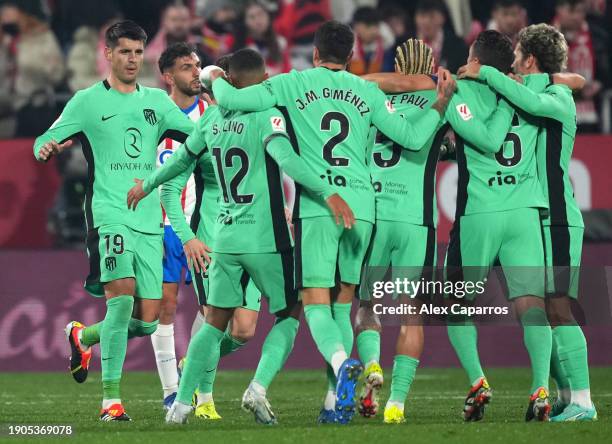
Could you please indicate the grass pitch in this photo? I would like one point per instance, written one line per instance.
(433, 411)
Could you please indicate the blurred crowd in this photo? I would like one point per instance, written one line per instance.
(51, 48)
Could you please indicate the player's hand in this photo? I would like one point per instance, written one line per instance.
(52, 148)
(516, 77)
(209, 100)
(446, 84)
(341, 210)
(215, 74)
(135, 195)
(197, 256)
(469, 71)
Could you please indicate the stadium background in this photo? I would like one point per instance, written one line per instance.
(42, 259)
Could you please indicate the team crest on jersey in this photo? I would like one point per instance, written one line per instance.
(464, 112)
(389, 106)
(278, 124)
(150, 116)
(110, 263)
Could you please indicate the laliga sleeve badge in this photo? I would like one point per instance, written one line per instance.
(464, 112)
(278, 123)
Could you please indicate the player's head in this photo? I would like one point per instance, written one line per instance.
(366, 24)
(223, 61)
(494, 49)
(540, 48)
(124, 50)
(414, 57)
(571, 14)
(333, 43)
(180, 68)
(246, 67)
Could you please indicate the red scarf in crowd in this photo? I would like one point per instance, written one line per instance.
(363, 63)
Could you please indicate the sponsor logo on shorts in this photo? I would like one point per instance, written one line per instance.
(110, 263)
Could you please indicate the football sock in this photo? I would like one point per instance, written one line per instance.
(404, 368)
(275, 350)
(326, 334)
(198, 321)
(202, 356)
(572, 352)
(463, 337)
(228, 345)
(342, 317)
(91, 335)
(106, 403)
(537, 337)
(330, 400)
(368, 346)
(113, 343)
(138, 328)
(162, 341)
(557, 372)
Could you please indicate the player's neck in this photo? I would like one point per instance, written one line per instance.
(120, 86)
(332, 66)
(183, 101)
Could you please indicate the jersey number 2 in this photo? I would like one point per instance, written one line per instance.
(328, 148)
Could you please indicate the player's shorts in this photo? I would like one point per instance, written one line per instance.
(409, 249)
(272, 274)
(252, 296)
(175, 260)
(118, 252)
(563, 251)
(512, 237)
(323, 248)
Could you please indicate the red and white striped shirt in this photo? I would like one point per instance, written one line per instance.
(168, 146)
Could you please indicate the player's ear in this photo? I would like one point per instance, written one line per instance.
(315, 56)
(266, 76)
(107, 53)
(350, 57)
(168, 80)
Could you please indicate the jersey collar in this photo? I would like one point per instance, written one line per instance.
(108, 87)
(191, 107)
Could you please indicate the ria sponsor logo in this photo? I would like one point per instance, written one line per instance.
(338, 179)
(501, 179)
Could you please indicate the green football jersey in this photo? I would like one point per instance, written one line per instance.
(119, 134)
(329, 114)
(207, 202)
(501, 179)
(405, 181)
(555, 106)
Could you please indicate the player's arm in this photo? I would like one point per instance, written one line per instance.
(174, 124)
(253, 98)
(413, 135)
(57, 137)
(394, 83)
(542, 104)
(170, 196)
(487, 135)
(573, 81)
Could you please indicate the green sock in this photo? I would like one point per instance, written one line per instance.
(404, 368)
(113, 343)
(91, 335)
(538, 341)
(138, 328)
(275, 350)
(463, 337)
(324, 330)
(572, 350)
(228, 345)
(368, 346)
(342, 317)
(202, 356)
(556, 369)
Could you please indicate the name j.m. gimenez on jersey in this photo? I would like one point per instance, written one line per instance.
(345, 95)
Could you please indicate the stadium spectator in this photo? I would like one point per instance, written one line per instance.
(256, 32)
(430, 19)
(587, 56)
(38, 65)
(215, 21)
(397, 20)
(508, 17)
(373, 50)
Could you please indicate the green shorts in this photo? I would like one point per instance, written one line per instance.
(117, 252)
(272, 274)
(409, 249)
(513, 237)
(252, 296)
(323, 249)
(563, 251)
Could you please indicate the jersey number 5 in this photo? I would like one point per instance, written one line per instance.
(228, 162)
(328, 148)
(396, 152)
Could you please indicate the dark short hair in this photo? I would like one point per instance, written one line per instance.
(245, 60)
(367, 15)
(223, 61)
(173, 52)
(431, 6)
(494, 49)
(124, 29)
(571, 3)
(334, 40)
(507, 4)
(546, 44)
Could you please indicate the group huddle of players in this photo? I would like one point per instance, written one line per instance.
(363, 164)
